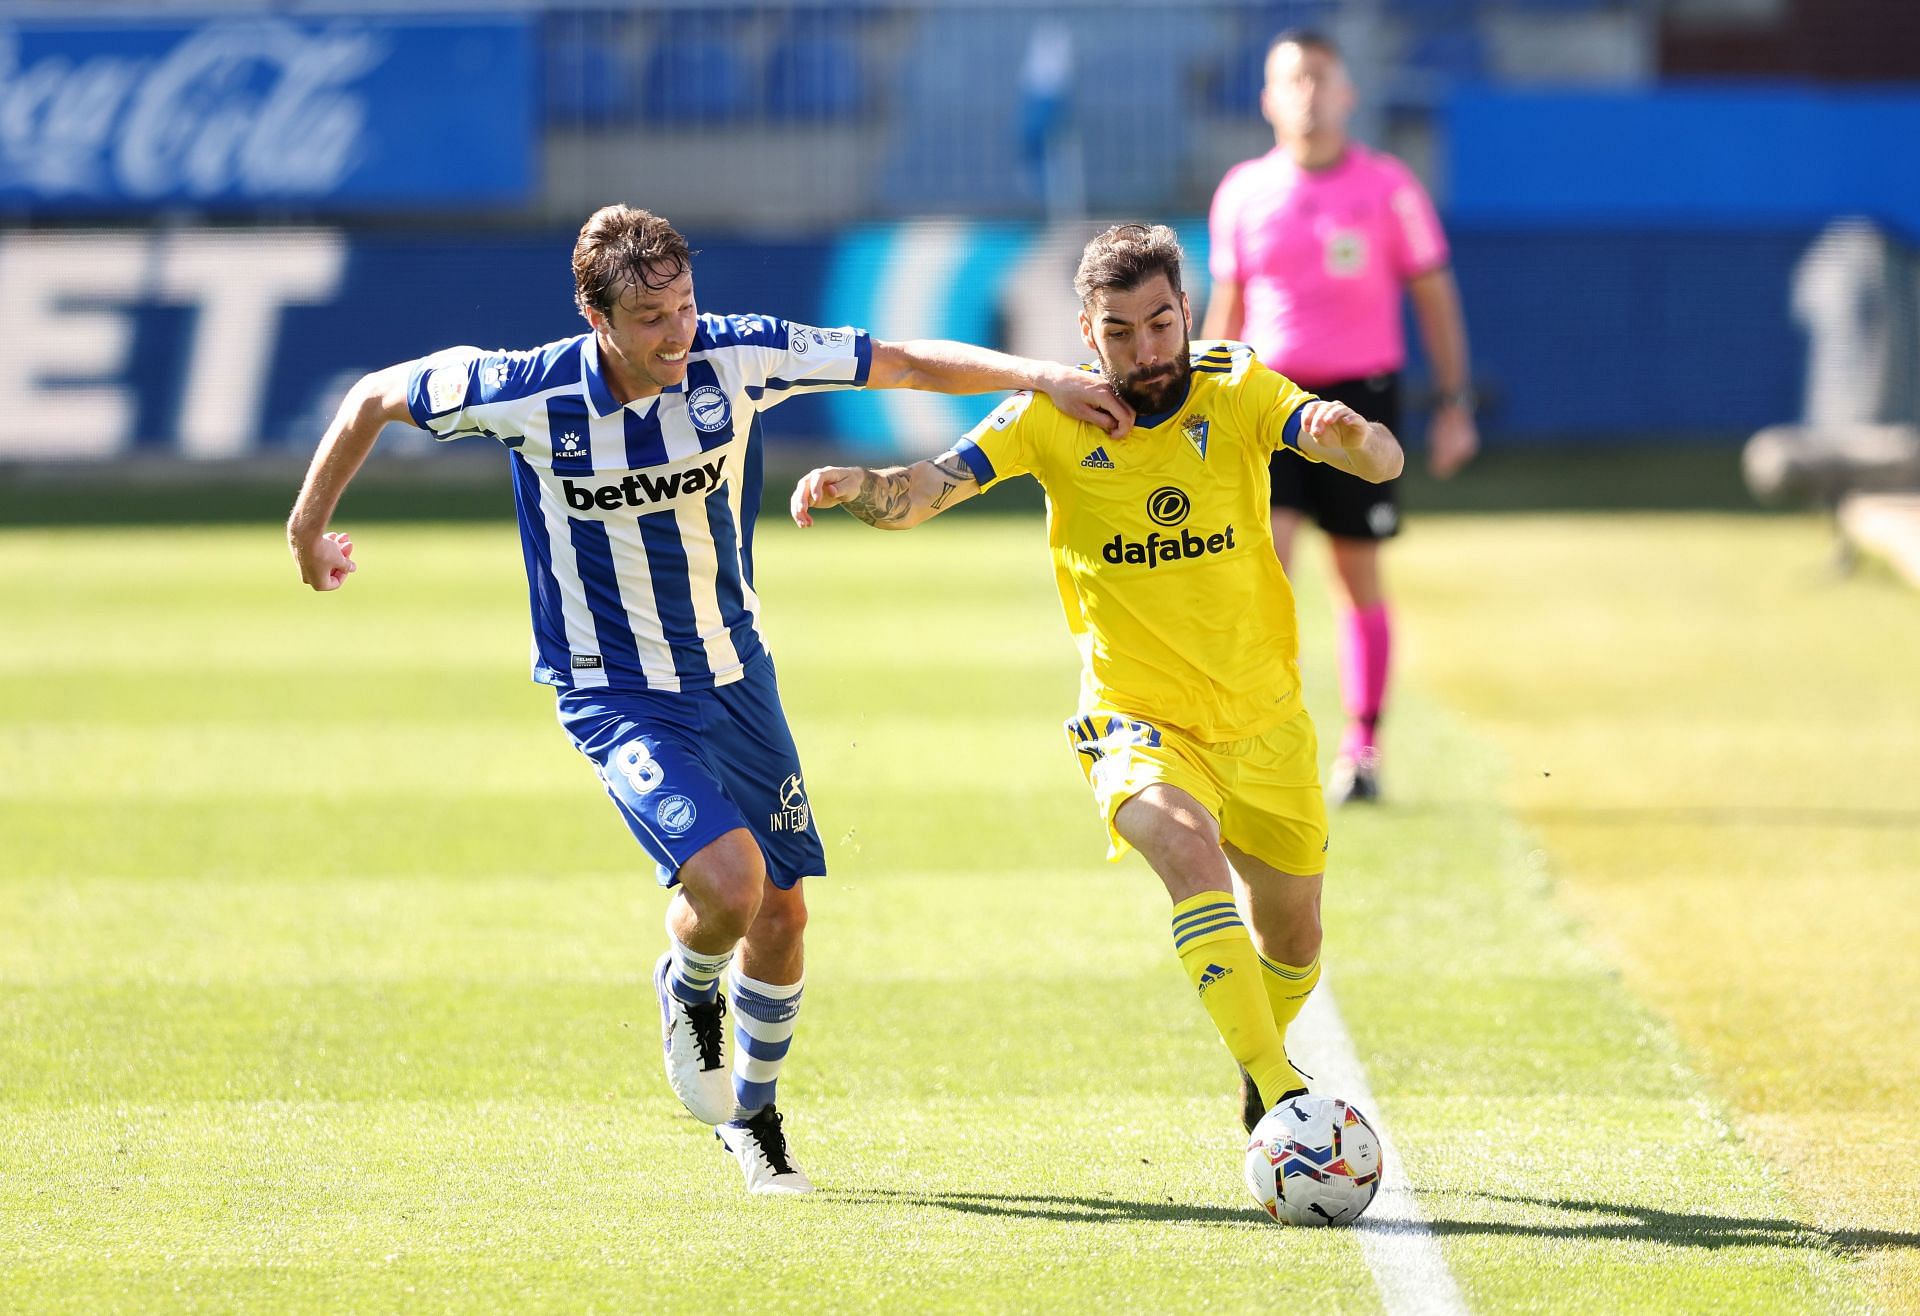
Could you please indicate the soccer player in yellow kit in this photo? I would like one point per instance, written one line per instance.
(1190, 727)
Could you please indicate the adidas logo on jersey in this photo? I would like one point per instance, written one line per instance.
(1097, 460)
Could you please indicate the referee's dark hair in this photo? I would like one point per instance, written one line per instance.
(1306, 38)
(1126, 256)
(621, 247)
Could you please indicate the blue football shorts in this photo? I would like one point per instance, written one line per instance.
(686, 768)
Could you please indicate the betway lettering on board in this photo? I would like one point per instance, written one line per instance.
(72, 386)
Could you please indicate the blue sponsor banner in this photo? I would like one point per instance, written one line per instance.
(224, 115)
(223, 343)
(1726, 158)
(218, 343)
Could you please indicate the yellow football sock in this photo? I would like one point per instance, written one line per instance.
(1224, 968)
(1288, 988)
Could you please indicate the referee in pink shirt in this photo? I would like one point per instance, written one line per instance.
(1312, 244)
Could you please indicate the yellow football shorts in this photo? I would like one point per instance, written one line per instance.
(1264, 791)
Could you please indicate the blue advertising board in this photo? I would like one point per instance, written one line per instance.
(229, 342)
(1706, 157)
(321, 114)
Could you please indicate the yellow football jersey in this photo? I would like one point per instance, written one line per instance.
(1162, 546)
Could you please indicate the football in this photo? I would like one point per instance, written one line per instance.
(1314, 1160)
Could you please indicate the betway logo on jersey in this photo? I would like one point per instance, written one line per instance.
(641, 490)
(1157, 548)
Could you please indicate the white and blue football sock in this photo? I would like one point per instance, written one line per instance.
(695, 978)
(763, 1019)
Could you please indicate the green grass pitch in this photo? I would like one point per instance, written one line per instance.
(323, 978)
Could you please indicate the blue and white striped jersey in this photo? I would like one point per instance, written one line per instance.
(636, 522)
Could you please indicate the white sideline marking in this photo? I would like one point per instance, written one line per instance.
(1400, 1250)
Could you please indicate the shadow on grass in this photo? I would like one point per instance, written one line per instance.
(1604, 1220)
(1629, 1221)
(1070, 1210)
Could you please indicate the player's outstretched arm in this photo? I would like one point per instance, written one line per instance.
(1338, 435)
(325, 559)
(938, 366)
(897, 498)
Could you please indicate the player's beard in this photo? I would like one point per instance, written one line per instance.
(1151, 394)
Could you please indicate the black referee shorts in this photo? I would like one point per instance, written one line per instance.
(1341, 504)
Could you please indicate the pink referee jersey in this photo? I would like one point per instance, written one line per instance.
(1321, 256)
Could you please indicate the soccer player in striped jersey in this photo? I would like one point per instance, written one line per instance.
(1190, 728)
(635, 455)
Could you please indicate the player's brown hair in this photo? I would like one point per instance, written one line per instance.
(621, 247)
(1126, 256)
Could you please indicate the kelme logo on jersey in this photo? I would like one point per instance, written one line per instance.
(1157, 548)
(643, 488)
(1168, 505)
(707, 408)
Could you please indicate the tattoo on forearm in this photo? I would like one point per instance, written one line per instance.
(955, 472)
(954, 467)
(884, 498)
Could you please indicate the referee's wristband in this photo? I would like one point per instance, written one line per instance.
(1462, 398)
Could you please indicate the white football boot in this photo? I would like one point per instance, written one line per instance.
(760, 1145)
(694, 1038)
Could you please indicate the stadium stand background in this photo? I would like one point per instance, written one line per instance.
(213, 216)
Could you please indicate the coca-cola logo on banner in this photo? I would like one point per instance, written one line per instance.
(264, 109)
(259, 110)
